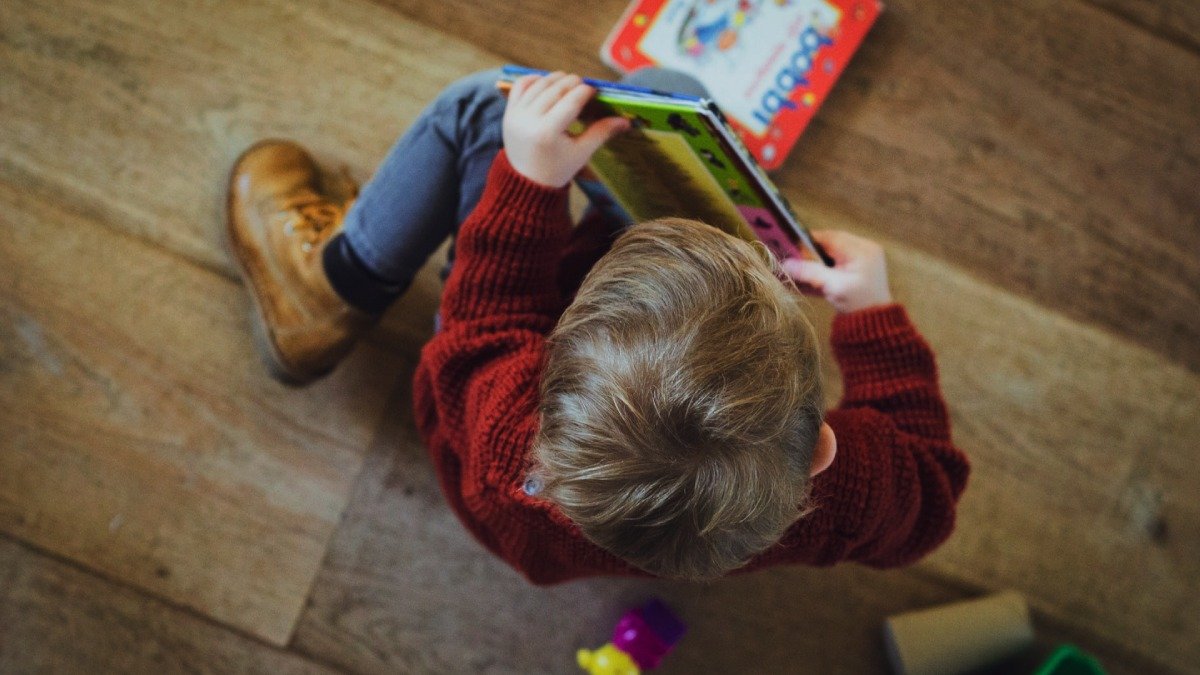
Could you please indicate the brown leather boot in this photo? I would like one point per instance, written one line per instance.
(279, 223)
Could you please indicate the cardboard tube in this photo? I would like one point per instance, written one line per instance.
(959, 637)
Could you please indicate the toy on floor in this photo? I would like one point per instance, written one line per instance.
(959, 637)
(965, 636)
(1070, 660)
(640, 640)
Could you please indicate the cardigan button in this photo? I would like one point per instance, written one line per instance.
(532, 486)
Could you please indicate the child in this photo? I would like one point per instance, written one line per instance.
(661, 416)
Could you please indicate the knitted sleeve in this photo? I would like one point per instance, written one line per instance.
(475, 389)
(508, 252)
(890, 495)
(894, 486)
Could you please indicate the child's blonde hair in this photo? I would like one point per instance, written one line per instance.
(681, 402)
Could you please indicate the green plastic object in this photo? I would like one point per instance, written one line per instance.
(1070, 660)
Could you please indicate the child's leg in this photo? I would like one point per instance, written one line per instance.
(428, 184)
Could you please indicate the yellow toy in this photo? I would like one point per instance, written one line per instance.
(640, 640)
(607, 660)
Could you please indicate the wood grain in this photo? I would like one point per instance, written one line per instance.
(131, 113)
(405, 589)
(130, 383)
(55, 618)
(1175, 20)
(142, 436)
(1049, 147)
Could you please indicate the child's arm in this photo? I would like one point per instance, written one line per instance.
(502, 294)
(475, 389)
(509, 248)
(895, 483)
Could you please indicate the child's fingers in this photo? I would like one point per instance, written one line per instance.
(539, 85)
(566, 109)
(835, 242)
(845, 247)
(810, 273)
(521, 85)
(599, 133)
(548, 97)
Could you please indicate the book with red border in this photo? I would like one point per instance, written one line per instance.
(769, 64)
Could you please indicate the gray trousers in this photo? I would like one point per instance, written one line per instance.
(433, 177)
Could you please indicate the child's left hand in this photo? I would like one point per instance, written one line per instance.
(540, 110)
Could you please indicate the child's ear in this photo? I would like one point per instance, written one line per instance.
(824, 451)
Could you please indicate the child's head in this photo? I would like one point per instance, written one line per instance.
(681, 402)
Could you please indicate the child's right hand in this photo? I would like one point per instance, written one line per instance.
(857, 280)
(540, 110)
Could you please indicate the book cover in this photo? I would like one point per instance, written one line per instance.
(769, 64)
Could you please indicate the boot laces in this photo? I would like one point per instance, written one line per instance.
(313, 222)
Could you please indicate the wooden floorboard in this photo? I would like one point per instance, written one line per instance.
(55, 618)
(130, 382)
(405, 589)
(1175, 20)
(131, 113)
(1049, 147)
(143, 437)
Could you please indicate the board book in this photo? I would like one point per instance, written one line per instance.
(769, 64)
(680, 158)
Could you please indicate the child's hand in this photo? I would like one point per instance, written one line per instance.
(540, 109)
(858, 279)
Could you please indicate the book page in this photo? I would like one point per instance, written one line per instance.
(656, 174)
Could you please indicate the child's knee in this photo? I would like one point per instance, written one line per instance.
(476, 89)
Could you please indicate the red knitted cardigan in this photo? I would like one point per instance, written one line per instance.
(888, 499)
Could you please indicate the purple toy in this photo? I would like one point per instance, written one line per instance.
(648, 633)
(640, 640)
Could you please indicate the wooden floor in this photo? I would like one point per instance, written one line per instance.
(1031, 166)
